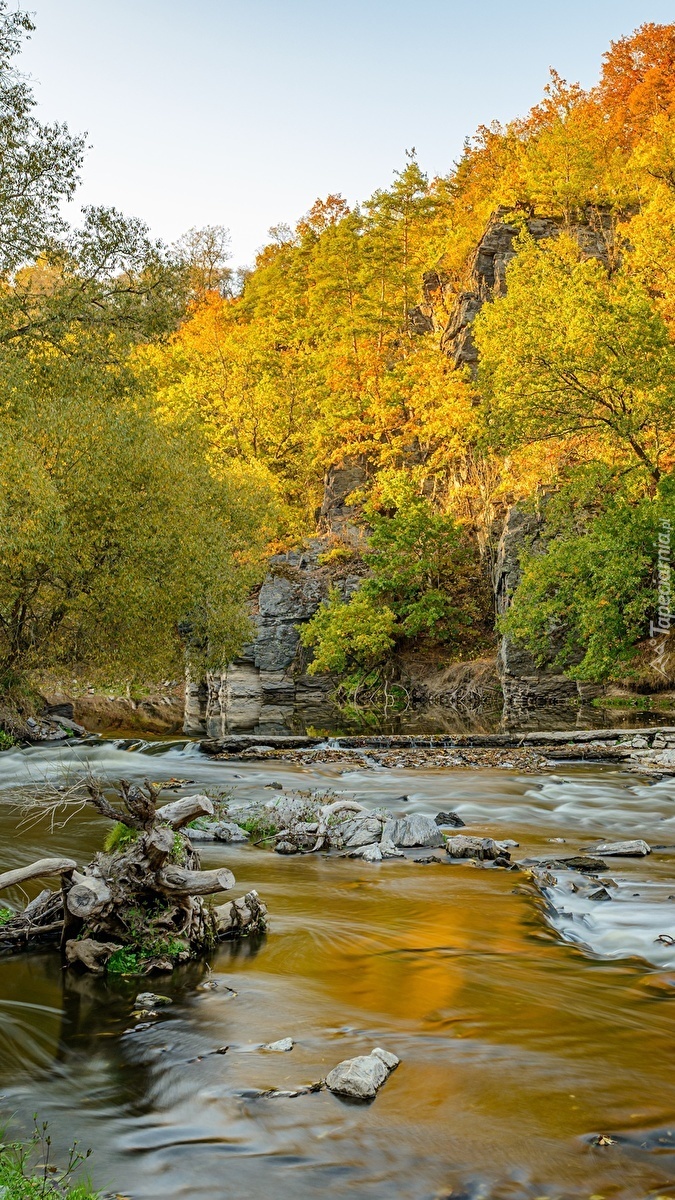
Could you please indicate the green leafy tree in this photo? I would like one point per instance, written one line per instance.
(357, 636)
(572, 351)
(586, 602)
(115, 533)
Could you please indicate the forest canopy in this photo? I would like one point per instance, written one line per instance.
(208, 404)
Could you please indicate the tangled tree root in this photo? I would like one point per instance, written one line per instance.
(143, 906)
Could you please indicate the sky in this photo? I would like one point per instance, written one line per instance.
(242, 112)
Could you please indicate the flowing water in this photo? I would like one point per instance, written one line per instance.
(524, 1029)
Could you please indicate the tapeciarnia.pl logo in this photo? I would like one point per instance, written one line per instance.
(659, 630)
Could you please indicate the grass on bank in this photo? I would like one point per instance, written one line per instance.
(28, 1173)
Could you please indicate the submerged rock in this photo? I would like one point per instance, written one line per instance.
(361, 1077)
(282, 1045)
(286, 848)
(151, 1000)
(415, 830)
(577, 862)
(474, 847)
(600, 894)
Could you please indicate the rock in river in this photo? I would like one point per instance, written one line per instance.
(361, 830)
(635, 849)
(151, 1000)
(283, 1044)
(415, 830)
(474, 847)
(451, 819)
(362, 1076)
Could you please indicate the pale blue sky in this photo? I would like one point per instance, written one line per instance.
(242, 113)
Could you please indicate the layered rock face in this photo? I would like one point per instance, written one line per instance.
(524, 683)
(267, 689)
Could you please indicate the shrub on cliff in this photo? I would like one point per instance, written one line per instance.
(425, 583)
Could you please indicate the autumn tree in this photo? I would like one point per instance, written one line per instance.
(570, 351)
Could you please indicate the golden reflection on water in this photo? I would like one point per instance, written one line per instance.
(514, 1047)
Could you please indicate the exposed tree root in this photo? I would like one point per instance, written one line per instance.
(142, 906)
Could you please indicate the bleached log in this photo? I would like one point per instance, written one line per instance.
(178, 881)
(158, 846)
(36, 870)
(181, 812)
(245, 915)
(330, 810)
(91, 954)
(89, 895)
(36, 905)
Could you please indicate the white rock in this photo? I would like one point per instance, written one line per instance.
(639, 743)
(635, 849)
(360, 831)
(389, 850)
(229, 831)
(665, 758)
(362, 1076)
(372, 853)
(283, 1044)
(414, 830)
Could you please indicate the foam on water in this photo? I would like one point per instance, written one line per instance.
(638, 921)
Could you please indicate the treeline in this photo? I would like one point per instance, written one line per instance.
(121, 549)
(332, 349)
(165, 423)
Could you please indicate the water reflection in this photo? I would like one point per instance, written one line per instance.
(516, 1047)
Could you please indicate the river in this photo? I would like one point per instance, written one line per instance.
(521, 1037)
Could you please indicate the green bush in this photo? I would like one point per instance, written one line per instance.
(119, 837)
(589, 598)
(344, 636)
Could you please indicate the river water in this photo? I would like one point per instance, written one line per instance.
(522, 1032)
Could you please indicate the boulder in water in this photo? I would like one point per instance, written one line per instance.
(632, 849)
(389, 850)
(450, 819)
(281, 1046)
(361, 1077)
(474, 847)
(414, 830)
(360, 830)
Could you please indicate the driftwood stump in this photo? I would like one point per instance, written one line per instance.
(143, 904)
